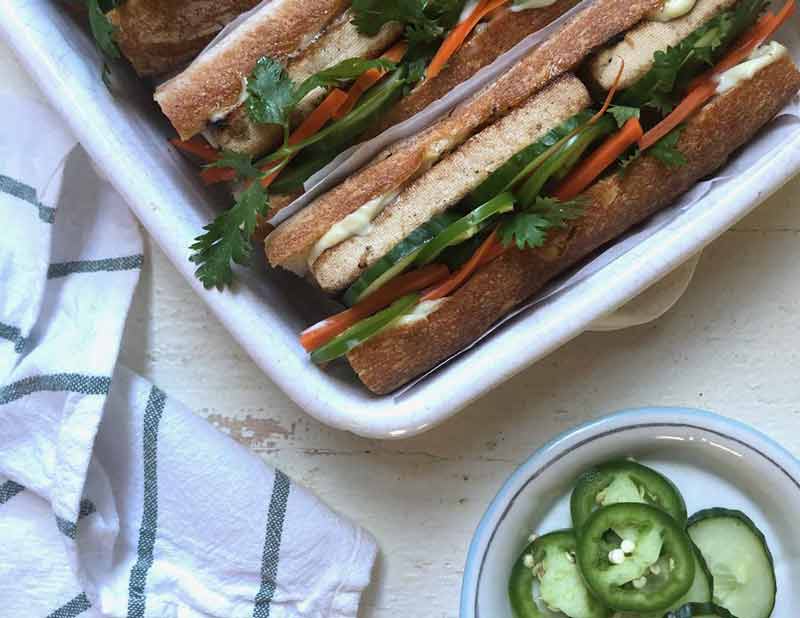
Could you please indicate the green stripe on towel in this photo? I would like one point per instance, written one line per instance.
(137, 595)
(75, 607)
(69, 528)
(62, 269)
(60, 382)
(272, 545)
(14, 335)
(8, 490)
(28, 194)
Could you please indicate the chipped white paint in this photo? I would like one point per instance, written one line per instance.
(730, 345)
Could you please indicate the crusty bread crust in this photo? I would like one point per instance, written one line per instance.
(404, 161)
(451, 180)
(158, 36)
(212, 84)
(487, 43)
(397, 356)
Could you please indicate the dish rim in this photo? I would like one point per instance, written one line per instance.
(572, 439)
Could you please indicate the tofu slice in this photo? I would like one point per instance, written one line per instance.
(642, 42)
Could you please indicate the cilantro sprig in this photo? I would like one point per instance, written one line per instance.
(227, 240)
(426, 21)
(529, 228)
(272, 95)
(664, 84)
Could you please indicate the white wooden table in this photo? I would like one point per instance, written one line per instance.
(730, 345)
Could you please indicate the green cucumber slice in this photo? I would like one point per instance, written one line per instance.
(631, 583)
(397, 260)
(466, 227)
(739, 559)
(504, 177)
(363, 330)
(549, 584)
(562, 159)
(699, 610)
(624, 481)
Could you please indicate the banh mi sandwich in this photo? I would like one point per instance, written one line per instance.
(158, 36)
(540, 187)
(300, 81)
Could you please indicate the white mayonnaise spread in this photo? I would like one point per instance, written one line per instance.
(673, 9)
(356, 223)
(761, 58)
(222, 114)
(524, 5)
(420, 312)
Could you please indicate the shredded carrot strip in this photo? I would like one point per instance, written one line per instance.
(198, 147)
(322, 332)
(310, 126)
(369, 79)
(690, 104)
(459, 34)
(488, 248)
(596, 163)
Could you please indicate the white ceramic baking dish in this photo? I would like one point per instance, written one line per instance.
(127, 139)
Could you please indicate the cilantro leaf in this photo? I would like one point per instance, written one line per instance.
(102, 29)
(529, 228)
(270, 93)
(666, 150)
(345, 71)
(425, 21)
(623, 113)
(227, 238)
(240, 162)
(664, 84)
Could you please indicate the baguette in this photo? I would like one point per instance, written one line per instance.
(452, 179)
(485, 45)
(396, 356)
(158, 36)
(213, 84)
(292, 241)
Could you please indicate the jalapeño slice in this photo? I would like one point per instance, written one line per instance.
(558, 163)
(363, 330)
(549, 567)
(635, 558)
(466, 227)
(624, 481)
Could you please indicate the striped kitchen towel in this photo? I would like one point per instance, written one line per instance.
(114, 499)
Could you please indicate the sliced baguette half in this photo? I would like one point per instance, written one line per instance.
(397, 356)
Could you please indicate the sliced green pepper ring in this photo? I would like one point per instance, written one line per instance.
(546, 583)
(363, 330)
(635, 557)
(624, 481)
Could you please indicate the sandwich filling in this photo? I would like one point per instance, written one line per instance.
(534, 198)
